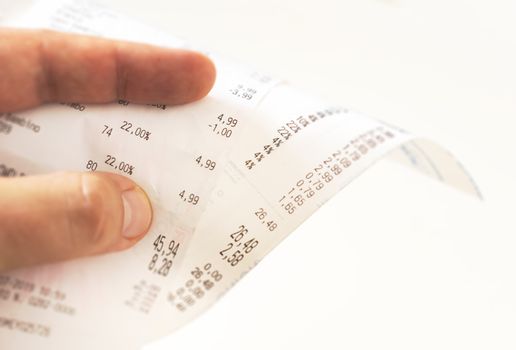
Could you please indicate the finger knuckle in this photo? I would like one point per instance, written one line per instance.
(92, 213)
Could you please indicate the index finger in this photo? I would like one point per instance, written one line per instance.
(38, 66)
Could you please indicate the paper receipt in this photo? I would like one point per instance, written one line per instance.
(229, 177)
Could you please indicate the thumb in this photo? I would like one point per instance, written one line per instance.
(68, 215)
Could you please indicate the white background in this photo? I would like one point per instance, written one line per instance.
(395, 261)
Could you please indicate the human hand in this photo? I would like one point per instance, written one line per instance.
(62, 216)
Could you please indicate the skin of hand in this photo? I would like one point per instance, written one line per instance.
(67, 215)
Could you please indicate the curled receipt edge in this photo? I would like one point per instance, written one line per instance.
(229, 177)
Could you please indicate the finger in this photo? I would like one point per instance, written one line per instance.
(45, 66)
(68, 215)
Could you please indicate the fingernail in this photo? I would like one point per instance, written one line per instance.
(137, 213)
